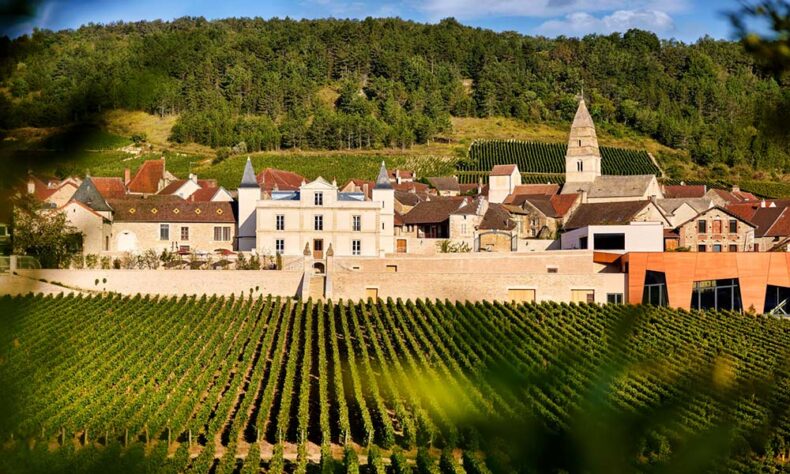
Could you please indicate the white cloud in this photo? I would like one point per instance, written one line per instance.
(581, 23)
(474, 9)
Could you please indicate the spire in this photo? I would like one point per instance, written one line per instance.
(582, 118)
(583, 140)
(383, 180)
(248, 179)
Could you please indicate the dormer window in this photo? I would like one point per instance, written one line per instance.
(580, 165)
(318, 199)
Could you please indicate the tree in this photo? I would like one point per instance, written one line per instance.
(44, 233)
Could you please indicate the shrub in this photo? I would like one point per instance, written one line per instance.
(105, 262)
(92, 261)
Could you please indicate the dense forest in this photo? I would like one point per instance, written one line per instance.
(336, 84)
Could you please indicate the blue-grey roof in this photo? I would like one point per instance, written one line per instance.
(285, 195)
(90, 196)
(352, 196)
(383, 179)
(248, 178)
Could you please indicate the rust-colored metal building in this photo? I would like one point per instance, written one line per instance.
(753, 281)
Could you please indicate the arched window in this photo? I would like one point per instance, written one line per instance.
(580, 165)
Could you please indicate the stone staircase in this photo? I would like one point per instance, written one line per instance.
(316, 288)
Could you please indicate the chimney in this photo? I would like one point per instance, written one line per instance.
(127, 176)
(31, 186)
(397, 176)
(193, 177)
(736, 188)
(583, 194)
(365, 189)
(762, 203)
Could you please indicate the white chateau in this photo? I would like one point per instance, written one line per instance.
(315, 218)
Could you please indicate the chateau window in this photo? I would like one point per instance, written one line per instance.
(580, 165)
(280, 222)
(185, 233)
(164, 231)
(717, 247)
(279, 246)
(733, 226)
(733, 248)
(717, 226)
(702, 226)
(356, 223)
(701, 248)
(106, 243)
(318, 199)
(318, 222)
(356, 247)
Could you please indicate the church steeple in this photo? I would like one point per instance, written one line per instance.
(583, 158)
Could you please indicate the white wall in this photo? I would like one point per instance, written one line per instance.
(639, 237)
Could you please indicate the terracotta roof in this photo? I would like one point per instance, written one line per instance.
(563, 203)
(173, 187)
(497, 217)
(605, 213)
(433, 211)
(771, 222)
(445, 183)
(671, 234)
(412, 187)
(743, 210)
(403, 173)
(148, 176)
(170, 209)
(502, 170)
(284, 180)
(408, 199)
(398, 219)
(109, 187)
(84, 206)
(684, 191)
(43, 190)
(734, 197)
(534, 189)
(203, 194)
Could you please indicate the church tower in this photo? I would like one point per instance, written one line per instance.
(583, 158)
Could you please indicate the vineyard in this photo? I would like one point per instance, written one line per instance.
(241, 384)
(549, 158)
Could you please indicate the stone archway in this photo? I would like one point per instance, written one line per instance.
(496, 241)
(319, 268)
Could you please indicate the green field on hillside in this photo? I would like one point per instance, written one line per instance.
(217, 384)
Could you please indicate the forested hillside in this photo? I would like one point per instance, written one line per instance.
(340, 84)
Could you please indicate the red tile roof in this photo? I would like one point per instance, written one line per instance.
(502, 170)
(203, 194)
(734, 197)
(284, 180)
(173, 187)
(109, 187)
(563, 203)
(147, 178)
(404, 174)
(411, 187)
(684, 191)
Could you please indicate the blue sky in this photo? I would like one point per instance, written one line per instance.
(686, 20)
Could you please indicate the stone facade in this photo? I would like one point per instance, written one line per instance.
(717, 230)
(137, 237)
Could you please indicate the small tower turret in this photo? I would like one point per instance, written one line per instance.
(249, 194)
(385, 195)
